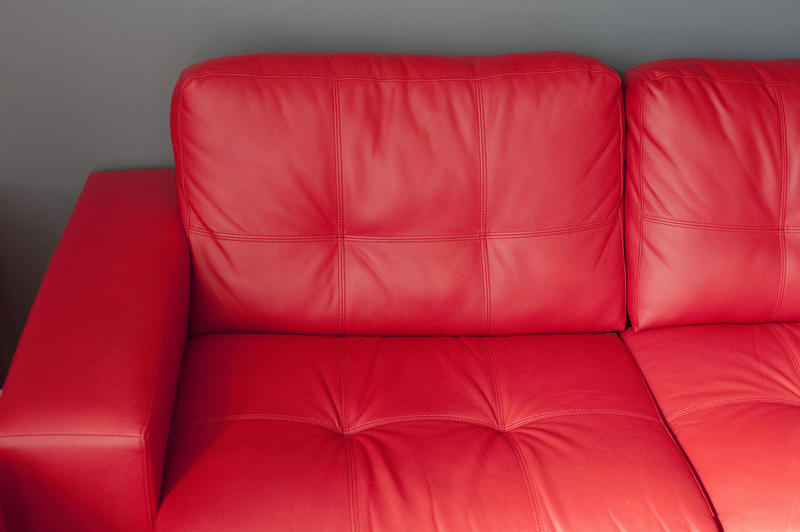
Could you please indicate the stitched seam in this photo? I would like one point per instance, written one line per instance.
(482, 170)
(345, 430)
(782, 207)
(690, 224)
(411, 418)
(638, 273)
(150, 515)
(715, 80)
(728, 402)
(277, 239)
(790, 353)
(554, 231)
(351, 485)
(337, 136)
(580, 412)
(396, 79)
(495, 378)
(530, 488)
(343, 422)
(180, 158)
(421, 418)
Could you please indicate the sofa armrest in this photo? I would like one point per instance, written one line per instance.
(85, 413)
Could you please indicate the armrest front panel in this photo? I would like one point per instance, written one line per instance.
(85, 414)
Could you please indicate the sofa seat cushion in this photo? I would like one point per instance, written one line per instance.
(541, 432)
(731, 395)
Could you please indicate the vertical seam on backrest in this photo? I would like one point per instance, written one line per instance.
(337, 136)
(784, 184)
(635, 305)
(481, 124)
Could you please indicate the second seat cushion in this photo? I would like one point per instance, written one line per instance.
(731, 394)
(361, 433)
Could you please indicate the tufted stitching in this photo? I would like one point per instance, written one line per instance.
(344, 423)
(731, 401)
(498, 396)
(341, 351)
(352, 486)
(530, 487)
(580, 412)
(782, 208)
(424, 418)
(790, 353)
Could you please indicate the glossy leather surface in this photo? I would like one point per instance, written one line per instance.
(731, 394)
(86, 408)
(402, 195)
(541, 432)
(713, 192)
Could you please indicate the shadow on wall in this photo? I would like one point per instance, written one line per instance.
(27, 241)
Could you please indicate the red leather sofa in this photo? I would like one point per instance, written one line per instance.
(384, 293)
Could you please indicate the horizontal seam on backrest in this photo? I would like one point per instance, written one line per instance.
(558, 230)
(710, 226)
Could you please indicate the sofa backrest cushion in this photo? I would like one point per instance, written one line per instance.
(402, 195)
(713, 192)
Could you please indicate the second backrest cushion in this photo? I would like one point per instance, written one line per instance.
(713, 192)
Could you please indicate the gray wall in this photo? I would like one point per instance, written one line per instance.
(85, 85)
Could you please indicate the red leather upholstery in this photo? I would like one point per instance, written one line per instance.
(540, 432)
(712, 201)
(731, 395)
(712, 223)
(86, 408)
(363, 194)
